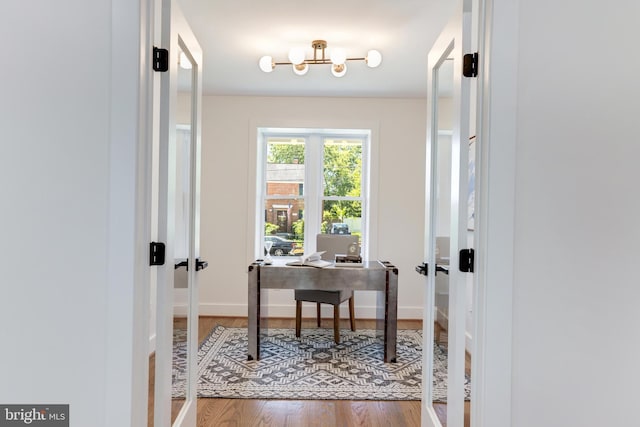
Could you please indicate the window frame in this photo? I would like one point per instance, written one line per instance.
(313, 194)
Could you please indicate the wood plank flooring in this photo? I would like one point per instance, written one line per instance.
(296, 413)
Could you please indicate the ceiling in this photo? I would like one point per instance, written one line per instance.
(234, 34)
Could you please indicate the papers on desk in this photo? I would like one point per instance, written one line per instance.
(313, 260)
(343, 260)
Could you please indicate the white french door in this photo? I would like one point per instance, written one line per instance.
(447, 223)
(178, 224)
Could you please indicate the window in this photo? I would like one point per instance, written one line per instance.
(312, 182)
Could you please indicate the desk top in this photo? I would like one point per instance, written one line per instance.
(371, 276)
(283, 261)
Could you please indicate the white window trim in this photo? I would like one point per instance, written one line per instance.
(313, 181)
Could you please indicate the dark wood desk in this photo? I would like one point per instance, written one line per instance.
(378, 276)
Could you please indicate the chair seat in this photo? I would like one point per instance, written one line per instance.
(324, 297)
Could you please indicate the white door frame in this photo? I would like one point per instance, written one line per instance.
(176, 37)
(495, 208)
(127, 320)
(453, 43)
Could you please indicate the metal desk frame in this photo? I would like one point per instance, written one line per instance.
(378, 276)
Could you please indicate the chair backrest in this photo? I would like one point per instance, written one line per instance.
(334, 244)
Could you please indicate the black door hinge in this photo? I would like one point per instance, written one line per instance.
(156, 253)
(466, 260)
(470, 65)
(160, 59)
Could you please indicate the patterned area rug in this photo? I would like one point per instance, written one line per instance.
(312, 366)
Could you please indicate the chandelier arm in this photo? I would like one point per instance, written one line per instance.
(319, 61)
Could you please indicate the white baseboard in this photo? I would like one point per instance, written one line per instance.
(468, 342)
(180, 310)
(443, 319)
(152, 344)
(308, 310)
(289, 311)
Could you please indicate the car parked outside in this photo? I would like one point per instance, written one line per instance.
(339, 228)
(280, 246)
(286, 236)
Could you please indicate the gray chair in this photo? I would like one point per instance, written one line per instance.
(331, 244)
(334, 298)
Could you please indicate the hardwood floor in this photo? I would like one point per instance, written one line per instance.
(296, 413)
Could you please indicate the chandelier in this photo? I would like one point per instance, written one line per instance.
(337, 59)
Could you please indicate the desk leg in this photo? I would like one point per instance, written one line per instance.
(253, 314)
(391, 314)
(381, 315)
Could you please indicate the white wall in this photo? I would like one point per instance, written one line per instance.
(229, 130)
(67, 217)
(576, 343)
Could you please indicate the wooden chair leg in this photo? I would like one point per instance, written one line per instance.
(298, 317)
(352, 314)
(318, 313)
(336, 323)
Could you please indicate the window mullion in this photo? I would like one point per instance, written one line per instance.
(313, 190)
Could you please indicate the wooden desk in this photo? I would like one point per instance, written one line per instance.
(378, 276)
